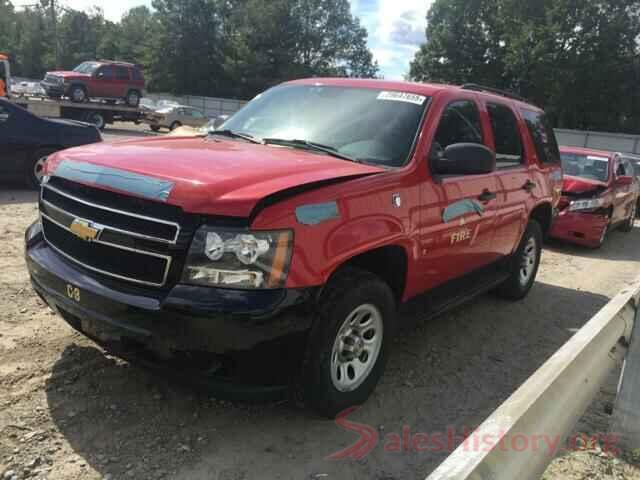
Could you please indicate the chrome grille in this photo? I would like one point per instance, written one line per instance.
(123, 245)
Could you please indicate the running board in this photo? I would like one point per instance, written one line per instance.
(452, 294)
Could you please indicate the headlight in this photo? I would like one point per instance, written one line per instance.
(589, 204)
(238, 258)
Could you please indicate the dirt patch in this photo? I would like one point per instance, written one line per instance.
(69, 411)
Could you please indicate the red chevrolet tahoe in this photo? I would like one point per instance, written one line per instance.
(100, 79)
(599, 193)
(277, 250)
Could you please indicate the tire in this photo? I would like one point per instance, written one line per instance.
(155, 128)
(603, 236)
(330, 384)
(97, 119)
(78, 94)
(627, 226)
(524, 264)
(33, 173)
(133, 98)
(175, 125)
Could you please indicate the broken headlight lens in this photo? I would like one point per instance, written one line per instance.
(238, 258)
(587, 204)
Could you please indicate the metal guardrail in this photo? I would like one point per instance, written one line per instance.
(543, 411)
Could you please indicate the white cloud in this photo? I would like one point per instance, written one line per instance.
(396, 30)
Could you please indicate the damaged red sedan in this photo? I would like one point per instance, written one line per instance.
(599, 193)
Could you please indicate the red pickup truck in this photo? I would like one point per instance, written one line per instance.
(277, 250)
(104, 79)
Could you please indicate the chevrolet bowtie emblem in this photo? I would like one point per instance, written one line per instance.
(84, 230)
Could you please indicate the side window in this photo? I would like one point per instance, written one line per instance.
(4, 115)
(460, 123)
(122, 73)
(621, 170)
(543, 136)
(107, 73)
(509, 152)
(137, 74)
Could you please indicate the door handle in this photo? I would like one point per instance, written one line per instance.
(529, 185)
(487, 196)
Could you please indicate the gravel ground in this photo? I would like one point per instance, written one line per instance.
(69, 411)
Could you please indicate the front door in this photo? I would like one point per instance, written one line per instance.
(624, 195)
(458, 221)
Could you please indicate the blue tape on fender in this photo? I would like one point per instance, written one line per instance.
(141, 185)
(317, 213)
(460, 209)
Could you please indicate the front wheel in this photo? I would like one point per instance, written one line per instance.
(78, 94)
(35, 167)
(175, 125)
(524, 264)
(628, 224)
(97, 119)
(349, 342)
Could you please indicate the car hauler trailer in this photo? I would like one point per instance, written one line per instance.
(97, 113)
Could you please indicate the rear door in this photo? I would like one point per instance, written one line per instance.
(459, 219)
(122, 81)
(515, 184)
(104, 84)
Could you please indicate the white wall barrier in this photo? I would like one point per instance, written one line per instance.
(523, 435)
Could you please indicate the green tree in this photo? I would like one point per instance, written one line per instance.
(574, 57)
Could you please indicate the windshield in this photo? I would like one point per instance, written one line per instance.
(367, 125)
(590, 167)
(87, 67)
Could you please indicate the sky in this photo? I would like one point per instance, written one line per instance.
(396, 27)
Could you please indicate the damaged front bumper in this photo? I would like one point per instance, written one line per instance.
(582, 228)
(236, 342)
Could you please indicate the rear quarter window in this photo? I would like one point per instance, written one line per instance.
(137, 74)
(544, 139)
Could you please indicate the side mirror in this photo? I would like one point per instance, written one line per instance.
(100, 75)
(463, 159)
(623, 181)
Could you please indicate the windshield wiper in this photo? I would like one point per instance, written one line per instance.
(232, 134)
(307, 145)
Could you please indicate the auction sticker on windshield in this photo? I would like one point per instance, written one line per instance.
(402, 97)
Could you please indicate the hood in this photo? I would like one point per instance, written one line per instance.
(69, 74)
(579, 186)
(204, 175)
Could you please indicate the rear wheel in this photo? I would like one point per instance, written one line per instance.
(349, 342)
(35, 167)
(524, 264)
(155, 128)
(78, 94)
(133, 98)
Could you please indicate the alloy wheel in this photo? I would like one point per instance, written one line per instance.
(356, 347)
(528, 260)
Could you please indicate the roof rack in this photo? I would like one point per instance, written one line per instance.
(117, 62)
(497, 91)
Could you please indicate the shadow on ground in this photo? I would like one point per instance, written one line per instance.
(11, 194)
(448, 373)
